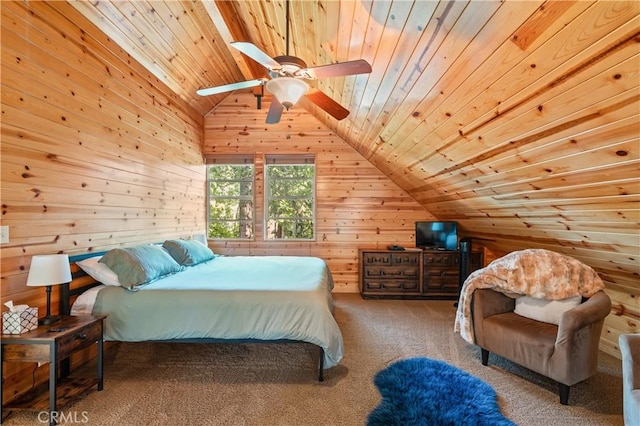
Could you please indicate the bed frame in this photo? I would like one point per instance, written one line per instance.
(82, 282)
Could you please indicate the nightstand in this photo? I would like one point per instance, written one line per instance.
(53, 343)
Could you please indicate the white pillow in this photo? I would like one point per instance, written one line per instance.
(99, 271)
(544, 310)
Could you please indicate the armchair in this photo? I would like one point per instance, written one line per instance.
(566, 353)
(630, 350)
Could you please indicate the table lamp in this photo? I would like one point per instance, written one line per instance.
(49, 270)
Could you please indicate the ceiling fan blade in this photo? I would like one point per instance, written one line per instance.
(229, 87)
(359, 66)
(254, 52)
(275, 111)
(332, 108)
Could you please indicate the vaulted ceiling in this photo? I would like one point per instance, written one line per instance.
(518, 118)
(433, 61)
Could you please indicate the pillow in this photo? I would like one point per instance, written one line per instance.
(99, 271)
(140, 264)
(544, 310)
(188, 252)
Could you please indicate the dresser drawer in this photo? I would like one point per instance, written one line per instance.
(391, 272)
(442, 284)
(82, 337)
(400, 286)
(407, 259)
(378, 259)
(441, 259)
(440, 272)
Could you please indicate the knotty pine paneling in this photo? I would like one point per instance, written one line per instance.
(537, 145)
(356, 205)
(517, 119)
(96, 153)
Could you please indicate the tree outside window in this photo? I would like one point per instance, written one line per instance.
(231, 200)
(290, 197)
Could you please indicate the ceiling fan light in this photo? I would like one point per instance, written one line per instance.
(287, 90)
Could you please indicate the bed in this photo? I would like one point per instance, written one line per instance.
(210, 299)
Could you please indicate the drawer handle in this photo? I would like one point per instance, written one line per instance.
(80, 336)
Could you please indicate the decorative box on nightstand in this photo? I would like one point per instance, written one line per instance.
(19, 322)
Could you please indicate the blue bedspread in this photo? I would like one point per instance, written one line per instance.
(237, 297)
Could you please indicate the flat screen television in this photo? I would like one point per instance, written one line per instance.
(437, 235)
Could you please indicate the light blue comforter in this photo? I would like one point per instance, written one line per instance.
(237, 297)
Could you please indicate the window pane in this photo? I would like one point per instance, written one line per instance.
(231, 204)
(291, 188)
(290, 204)
(290, 229)
(290, 208)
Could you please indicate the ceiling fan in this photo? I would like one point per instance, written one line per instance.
(287, 74)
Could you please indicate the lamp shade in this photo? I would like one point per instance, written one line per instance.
(49, 269)
(287, 90)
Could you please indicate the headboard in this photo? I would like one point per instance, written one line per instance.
(80, 282)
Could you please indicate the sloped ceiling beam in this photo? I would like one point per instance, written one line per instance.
(225, 19)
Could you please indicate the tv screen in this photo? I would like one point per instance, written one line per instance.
(437, 235)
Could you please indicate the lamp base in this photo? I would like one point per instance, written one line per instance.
(48, 320)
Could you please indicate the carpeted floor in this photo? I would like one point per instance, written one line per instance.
(261, 384)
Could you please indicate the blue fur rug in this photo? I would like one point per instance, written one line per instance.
(423, 391)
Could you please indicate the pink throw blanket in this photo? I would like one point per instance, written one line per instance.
(537, 273)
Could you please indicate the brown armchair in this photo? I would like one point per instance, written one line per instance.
(566, 353)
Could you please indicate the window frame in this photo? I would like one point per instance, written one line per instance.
(231, 160)
(289, 160)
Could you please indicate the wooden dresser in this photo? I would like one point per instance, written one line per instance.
(387, 273)
(420, 274)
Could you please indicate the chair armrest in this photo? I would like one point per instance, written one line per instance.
(630, 351)
(487, 302)
(575, 355)
(591, 311)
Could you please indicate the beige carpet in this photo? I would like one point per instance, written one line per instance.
(263, 384)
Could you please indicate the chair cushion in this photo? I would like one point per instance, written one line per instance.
(522, 340)
(545, 310)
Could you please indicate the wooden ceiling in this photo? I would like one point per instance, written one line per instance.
(432, 60)
(517, 118)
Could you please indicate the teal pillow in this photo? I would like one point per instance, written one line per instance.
(140, 264)
(188, 252)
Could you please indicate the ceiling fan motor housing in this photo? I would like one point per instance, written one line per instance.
(290, 66)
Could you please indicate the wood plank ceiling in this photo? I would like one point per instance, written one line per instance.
(517, 118)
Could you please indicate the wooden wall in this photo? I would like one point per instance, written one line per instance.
(538, 147)
(518, 119)
(356, 205)
(96, 153)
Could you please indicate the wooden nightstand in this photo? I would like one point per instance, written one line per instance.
(53, 344)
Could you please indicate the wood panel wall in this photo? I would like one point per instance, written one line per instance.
(356, 205)
(518, 119)
(96, 153)
(538, 146)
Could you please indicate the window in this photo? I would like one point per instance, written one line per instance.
(230, 180)
(290, 197)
